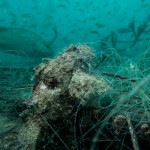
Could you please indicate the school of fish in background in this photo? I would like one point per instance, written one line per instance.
(57, 24)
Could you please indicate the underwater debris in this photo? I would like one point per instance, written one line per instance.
(69, 105)
(112, 38)
(118, 76)
(54, 93)
(137, 32)
(60, 85)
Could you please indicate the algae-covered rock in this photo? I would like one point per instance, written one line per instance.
(84, 86)
(69, 106)
(60, 85)
(51, 90)
(28, 134)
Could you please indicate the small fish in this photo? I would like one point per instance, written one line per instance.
(98, 25)
(66, 16)
(25, 21)
(3, 4)
(145, 5)
(67, 40)
(25, 15)
(81, 10)
(109, 13)
(46, 25)
(79, 29)
(91, 2)
(12, 14)
(94, 32)
(84, 21)
(106, 4)
(73, 31)
(92, 18)
(2, 20)
(61, 6)
(13, 21)
(34, 7)
(32, 25)
(124, 30)
(68, 1)
(147, 31)
(77, 3)
(74, 24)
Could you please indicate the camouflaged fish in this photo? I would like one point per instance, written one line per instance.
(23, 42)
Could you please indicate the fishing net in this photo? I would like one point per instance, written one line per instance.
(125, 109)
(15, 83)
(110, 111)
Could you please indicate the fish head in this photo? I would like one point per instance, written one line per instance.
(41, 51)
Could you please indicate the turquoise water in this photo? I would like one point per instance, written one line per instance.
(118, 31)
(75, 21)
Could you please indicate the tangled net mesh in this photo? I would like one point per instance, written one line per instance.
(127, 105)
(121, 113)
(15, 87)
